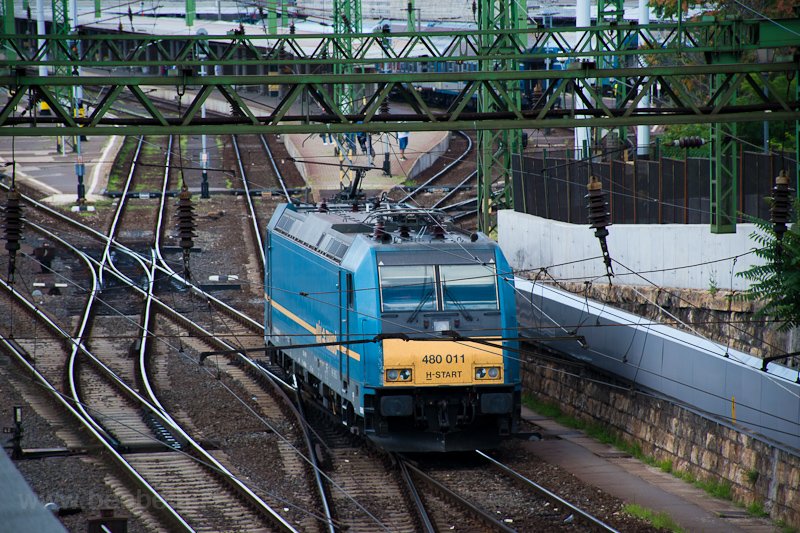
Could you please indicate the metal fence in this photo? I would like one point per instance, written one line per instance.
(664, 191)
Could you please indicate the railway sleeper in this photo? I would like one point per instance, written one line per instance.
(161, 432)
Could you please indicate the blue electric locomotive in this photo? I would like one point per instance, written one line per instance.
(400, 325)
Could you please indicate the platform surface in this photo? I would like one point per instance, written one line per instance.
(20, 509)
(632, 481)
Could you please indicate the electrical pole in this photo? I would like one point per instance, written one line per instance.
(201, 55)
(643, 130)
(346, 22)
(497, 149)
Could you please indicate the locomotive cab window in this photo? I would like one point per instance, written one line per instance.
(468, 287)
(408, 288)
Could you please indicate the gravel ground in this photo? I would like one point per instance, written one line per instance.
(77, 483)
(246, 442)
(241, 434)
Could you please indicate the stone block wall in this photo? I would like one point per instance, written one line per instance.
(756, 470)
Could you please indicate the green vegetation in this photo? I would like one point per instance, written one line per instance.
(776, 283)
(766, 8)
(678, 131)
(723, 490)
(119, 170)
(596, 431)
(658, 520)
(713, 288)
(752, 476)
(757, 509)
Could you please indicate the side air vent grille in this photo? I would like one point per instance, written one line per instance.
(286, 224)
(333, 247)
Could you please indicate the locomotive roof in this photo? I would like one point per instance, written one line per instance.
(332, 230)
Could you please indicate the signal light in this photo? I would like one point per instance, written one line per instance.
(599, 218)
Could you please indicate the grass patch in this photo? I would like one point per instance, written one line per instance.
(757, 509)
(752, 476)
(596, 431)
(119, 170)
(720, 490)
(723, 490)
(657, 520)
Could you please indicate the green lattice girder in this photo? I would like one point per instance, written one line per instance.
(346, 28)
(679, 107)
(9, 24)
(724, 173)
(496, 147)
(657, 39)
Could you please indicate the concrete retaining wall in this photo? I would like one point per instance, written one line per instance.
(296, 155)
(757, 471)
(531, 242)
(424, 161)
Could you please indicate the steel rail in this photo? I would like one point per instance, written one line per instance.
(159, 411)
(120, 208)
(442, 172)
(312, 456)
(453, 191)
(253, 219)
(471, 508)
(548, 494)
(163, 267)
(162, 413)
(422, 513)
(170, 511)
(275, 167)
(156, 411)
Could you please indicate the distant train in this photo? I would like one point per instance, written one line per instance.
(442, 94)
(401, 325)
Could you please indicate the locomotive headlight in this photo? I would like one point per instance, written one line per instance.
(398, 374)
(490, 372)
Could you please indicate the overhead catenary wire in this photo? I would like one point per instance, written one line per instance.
(300, 453)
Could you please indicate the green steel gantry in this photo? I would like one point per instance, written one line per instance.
(721, 50)
(346, 28)
(496, 148)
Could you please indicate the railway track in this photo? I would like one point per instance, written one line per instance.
(177, 321)
(451, 188)
(122, 426)
(463, 491)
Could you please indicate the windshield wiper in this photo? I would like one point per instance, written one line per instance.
(458, 303)
(421, 304)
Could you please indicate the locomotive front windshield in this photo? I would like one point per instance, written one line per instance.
(443, 287)
(468, 287)
(408, 288)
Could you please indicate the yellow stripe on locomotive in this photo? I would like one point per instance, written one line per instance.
(431, 363)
